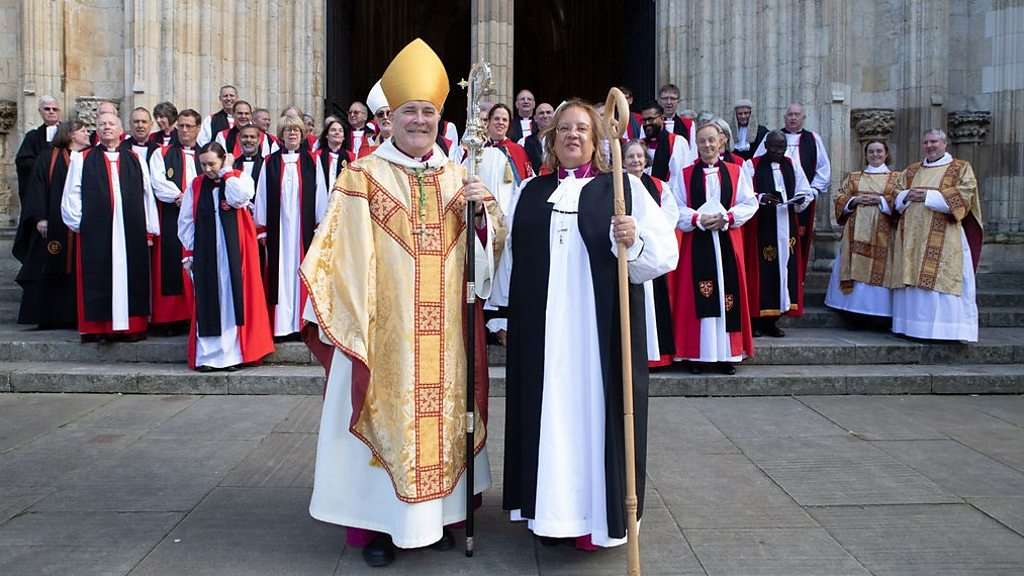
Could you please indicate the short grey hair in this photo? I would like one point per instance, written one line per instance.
(47, 99)
(936, 132)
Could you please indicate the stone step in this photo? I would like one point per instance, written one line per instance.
(819, 280)
(822, 317)
(801, 346)
(986, 297)
(748, 381)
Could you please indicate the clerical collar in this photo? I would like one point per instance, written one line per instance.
(582, 171)
(498, 143)
(791, 132)
(883, 169)
(389, 152)
(946, 159)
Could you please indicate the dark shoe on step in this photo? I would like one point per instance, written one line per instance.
(774, 332)
(695, 368)
(447, 541)
(726, 368)
(549, 541)
(380, 552)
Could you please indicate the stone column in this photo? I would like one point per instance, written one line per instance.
(8, 199)
(492, 41)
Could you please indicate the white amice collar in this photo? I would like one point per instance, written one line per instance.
(388, 151)
(946, 159)
(883, 169)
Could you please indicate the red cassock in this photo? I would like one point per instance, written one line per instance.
(173, 305)
(753, 261)
(684, 309)
(255, 337)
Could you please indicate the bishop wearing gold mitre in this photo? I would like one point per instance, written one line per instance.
(386, 281)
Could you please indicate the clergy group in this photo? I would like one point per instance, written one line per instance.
(353, 237)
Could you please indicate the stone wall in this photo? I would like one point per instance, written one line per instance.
(140, 52)
(895, 67)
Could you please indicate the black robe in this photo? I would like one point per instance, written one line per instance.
(747, 154)
(218, 123)
(527, 332)
(515, 130)
(47, 274)
(32, 147)
(534, 147)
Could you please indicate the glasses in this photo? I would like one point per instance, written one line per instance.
(50, 109)
(566, 130)
(382, 114)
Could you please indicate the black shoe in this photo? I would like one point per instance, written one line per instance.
(695, 368)
(447, 541)
(774, 331)
(90, 338)
(380, 552)
(758, 333)
(726, 368)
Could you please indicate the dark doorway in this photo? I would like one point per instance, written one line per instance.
(364, 35)
(567, 48)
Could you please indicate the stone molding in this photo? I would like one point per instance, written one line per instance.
(968, 126)
(86, 106)
(873, 123)
(8, 116)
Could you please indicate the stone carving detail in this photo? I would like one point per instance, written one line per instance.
(85, 108)
(8, 116)
(968, 126)
(873, 123)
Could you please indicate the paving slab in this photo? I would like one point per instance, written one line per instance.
(664, 551)
(137, 413)
(246, 531)
(80, 543)
(764, 418)
(772, 552)
(173, 495)
(957, 468)
(870, 418)
(24, 417)
(14, 500)
(228, 418)
(1007, 510)
(304, 417)
(676, 427)
(49, 458)
(837, 470)
(286, 460)
(921, 540)
(1007, 408)
(502, 549)
(723, 491)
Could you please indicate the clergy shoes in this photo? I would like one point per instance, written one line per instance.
(695, 368)
(726, 368)
(447, 541)
(774, 331)
(380, 552)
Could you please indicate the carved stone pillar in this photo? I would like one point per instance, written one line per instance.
(8, 123)
(492, 41)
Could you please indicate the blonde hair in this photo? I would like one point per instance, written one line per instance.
(290, 121)
(597, 135)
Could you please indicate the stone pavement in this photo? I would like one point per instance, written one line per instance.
(790, 486)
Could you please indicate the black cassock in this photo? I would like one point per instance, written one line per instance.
(32, 147)
(527, 331)
(47, 274)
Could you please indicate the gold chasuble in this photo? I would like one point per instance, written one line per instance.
(928, 252)
(867, 232)
(386, 278)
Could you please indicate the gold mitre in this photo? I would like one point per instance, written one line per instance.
(415, 74)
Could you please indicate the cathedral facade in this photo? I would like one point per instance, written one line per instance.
(887, 69)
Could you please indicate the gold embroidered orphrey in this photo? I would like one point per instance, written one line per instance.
(392, 299)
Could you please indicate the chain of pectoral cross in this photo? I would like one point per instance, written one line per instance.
(421, 228)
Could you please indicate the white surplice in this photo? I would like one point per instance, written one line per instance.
(347, 489)
(864, 298)
(570, 499)
(71, 213)
(287, 313)
(671, 210)
(166, 190)
(930, 314)
(715, 344)
(224, 350)
(822, 170)
(801, 189)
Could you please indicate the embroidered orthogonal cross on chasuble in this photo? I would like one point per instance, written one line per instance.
(867, 233)
(928, 253)
(386, 275)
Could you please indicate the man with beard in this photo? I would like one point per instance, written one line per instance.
(228, 139)
(669, 152)
(747, 133)
(250, 158)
